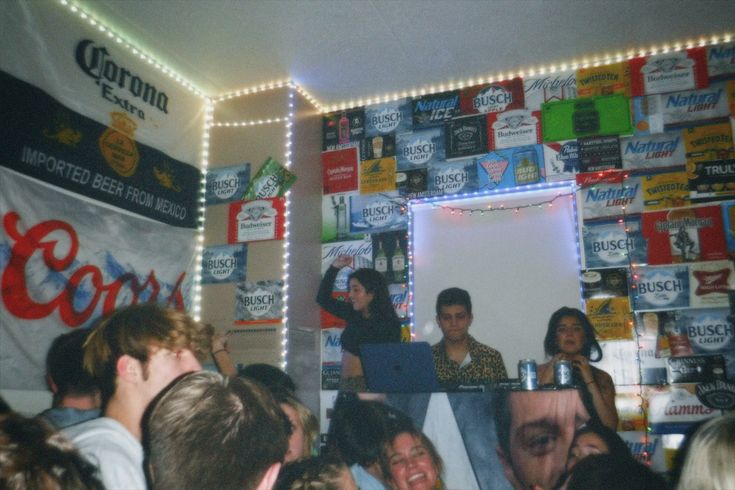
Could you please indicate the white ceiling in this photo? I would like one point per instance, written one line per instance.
(344, 49)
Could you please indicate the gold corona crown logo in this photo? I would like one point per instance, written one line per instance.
(117, 145)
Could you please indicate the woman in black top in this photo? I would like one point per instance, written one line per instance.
(370, 316)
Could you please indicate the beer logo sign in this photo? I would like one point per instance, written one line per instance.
(419, 151)
(224, 185)
(387, 119)
(662, 288)
(450, 180)
(379, 212)
(221, 266)
(494, 98)
(258, 302)
(118, 147)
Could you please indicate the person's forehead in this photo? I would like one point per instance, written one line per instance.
(454, 309)
(528, 405)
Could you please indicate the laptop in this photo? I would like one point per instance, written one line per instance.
(399, 368)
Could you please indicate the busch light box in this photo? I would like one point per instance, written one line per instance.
(561, 160)
(420, 148)
(457, 177)
(493, 97)
(226, 184)
(721, 61)
(389, 117)
(661, 288)
(711, 332)
(224, 263)
(435, 109)
(466, 136)
(343, 129)
(377, 213)
(607, 244)
(653, 151)
(259, 302)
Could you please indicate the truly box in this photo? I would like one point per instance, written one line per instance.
(669, 72)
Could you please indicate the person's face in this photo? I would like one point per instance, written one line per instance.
(345, 480)
(454, 322)
(297, 440)
(359, 296)
(570, 335)
(584, 445)
(411, 466)
(541, 433)
(164, 366)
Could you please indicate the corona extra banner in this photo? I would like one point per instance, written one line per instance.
(98, 182)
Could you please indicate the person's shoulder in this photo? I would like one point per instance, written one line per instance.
(485, 349)
(100, 432)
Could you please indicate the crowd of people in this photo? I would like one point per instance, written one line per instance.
(133, 409)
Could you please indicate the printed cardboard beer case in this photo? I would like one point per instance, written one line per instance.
(362, 256)
(336, 218)
(728, 218)
(414, 183)
(661, 288)
(326, 319)
(676, 412)
(376, 213)
(465, 136)
(389, 117)
(378, 146)
(611, 318)
(435, 109)
(604, 80)
(343, 129)
(607, 244)
(339, 171)
(561, 160)
(420, 148)
(259, 302)
(684, 235)
(589, 116)
(665, 190)
(711, 332)
(695, 369)
(378, 175)
(256, 220)
(518, 127)
(226, 184)
(653, 151)
(604, 194)
(492, 97)
(721, 61)
(669, 72)
(390, 255)
(224, 263)
(547, 88)
(604, 283)
(597, 153)
(710, 283)
(457, 177)
(510, 168)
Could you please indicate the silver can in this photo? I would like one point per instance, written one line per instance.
(563, 373)
(527, 374)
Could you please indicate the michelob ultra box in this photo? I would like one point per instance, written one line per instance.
(661, 288)
(492, 97)
(389, 117)
(609, 193)
(653, 151)
(669, 72)
(517, 127)
(721, 61)
(510, 168)
(561, 160)
(608, 244)
(546, 88)
(684, 235)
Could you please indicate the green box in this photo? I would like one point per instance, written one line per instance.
(602, 115)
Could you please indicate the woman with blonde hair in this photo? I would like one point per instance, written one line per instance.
(708, 464)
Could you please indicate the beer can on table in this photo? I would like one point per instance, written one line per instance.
(563, 373)
(527, 374)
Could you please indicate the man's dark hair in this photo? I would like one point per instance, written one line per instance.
(65, 366)
(613, 472)
(210, 431)
(271, 376)
(453, 296)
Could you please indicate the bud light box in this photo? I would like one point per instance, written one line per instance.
(224, 263)
(389, 117)
(339, 171)
(669, 72)
(661, 288)
(721, 61)
(512, 167)
(226, 184)
(435, 109)
(458, 177)
(259, 302)
(561, 160)
(606, 243)
(377, 213)
(684, 235)
(465, 136)
(341, 129)
(711, 332)
(548, 88)
(604, 195)
(710, 283)
(518, 127)
(653, 151)
(420, 148)
(493, 97)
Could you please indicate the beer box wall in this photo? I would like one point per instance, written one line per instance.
(681, 91)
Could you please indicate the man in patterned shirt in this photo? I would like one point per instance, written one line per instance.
(458, 357)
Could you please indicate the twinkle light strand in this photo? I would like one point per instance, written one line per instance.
(490, 208)
(254, 122)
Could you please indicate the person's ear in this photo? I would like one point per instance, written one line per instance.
(270, 477)
(51, 385)
(507, 465)
(128, 368)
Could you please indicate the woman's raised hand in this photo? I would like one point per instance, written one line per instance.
(342, 260)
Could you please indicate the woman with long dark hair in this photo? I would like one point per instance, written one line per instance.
(571, 337)
(370, 316)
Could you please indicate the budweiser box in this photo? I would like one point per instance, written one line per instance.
(669, 72)
(518, 127)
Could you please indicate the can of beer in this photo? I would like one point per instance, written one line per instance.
(563, 373)
(527, 374)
